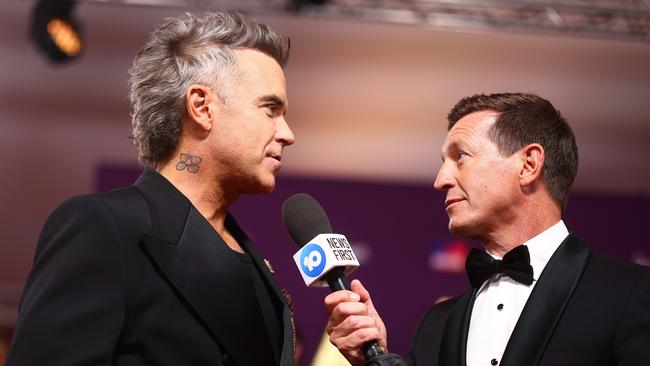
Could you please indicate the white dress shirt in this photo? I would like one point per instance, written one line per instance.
(500, 300)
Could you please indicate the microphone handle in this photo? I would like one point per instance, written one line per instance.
(337, 281)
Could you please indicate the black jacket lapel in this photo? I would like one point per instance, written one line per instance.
(546, 303)
(289, 342)
(204, 272)
(287, 355)
(453, 350)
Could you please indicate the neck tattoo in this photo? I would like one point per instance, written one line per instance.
(189, 162)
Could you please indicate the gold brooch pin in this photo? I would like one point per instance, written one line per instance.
(269, 266)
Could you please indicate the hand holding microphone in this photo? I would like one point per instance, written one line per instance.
(354, 326)
(353, 322)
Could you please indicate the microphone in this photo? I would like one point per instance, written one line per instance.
(324, 257)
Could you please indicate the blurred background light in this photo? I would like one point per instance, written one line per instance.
(55, 30)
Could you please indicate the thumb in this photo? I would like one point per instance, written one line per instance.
(357, 287)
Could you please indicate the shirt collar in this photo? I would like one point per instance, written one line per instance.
(543, 245)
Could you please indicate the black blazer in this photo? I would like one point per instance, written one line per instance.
(138, 277)
(585, 309)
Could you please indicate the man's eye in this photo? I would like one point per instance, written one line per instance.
(271, 110)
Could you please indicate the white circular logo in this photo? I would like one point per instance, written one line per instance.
(312, 260)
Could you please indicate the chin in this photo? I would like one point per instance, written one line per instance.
(460, 228)
(267, 189)
(264, 186)
(468, 229)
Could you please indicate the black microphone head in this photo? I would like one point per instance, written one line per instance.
(304, 218)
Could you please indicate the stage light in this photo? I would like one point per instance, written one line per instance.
(300, 5)
(55, 30)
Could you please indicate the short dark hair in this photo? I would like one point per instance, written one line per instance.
(525, 119)
(181, 52)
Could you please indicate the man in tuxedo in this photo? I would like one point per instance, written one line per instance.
(160, 273)
(539, 295)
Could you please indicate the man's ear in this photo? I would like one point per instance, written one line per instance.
(199, 106)
(532, 158)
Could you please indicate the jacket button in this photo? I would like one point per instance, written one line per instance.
(500, 307)
(494, 362)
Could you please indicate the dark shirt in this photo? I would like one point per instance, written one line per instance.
(269, 306)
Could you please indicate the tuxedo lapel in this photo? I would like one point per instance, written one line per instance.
(453, 350)
(204, 272)
(546, 303)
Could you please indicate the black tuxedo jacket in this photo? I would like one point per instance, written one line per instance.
(138, 277)
(585, 310)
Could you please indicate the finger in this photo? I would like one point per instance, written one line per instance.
(352, 344)
(357, 322)
(335, 298)
(347, 309)
(366, 329)
(351, 324)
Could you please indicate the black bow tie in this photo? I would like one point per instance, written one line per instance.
(515, 264)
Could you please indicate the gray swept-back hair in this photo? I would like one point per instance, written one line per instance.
(182, 52)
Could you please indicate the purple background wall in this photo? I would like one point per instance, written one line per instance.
(394, 230)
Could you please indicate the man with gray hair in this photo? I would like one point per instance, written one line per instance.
(159, 273)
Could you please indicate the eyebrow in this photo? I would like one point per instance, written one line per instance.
(272, 98)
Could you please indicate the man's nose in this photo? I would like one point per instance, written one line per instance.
(444, 179)
(283, 133)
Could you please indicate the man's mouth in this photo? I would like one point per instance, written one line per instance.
(451, 201)
(277, 157)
